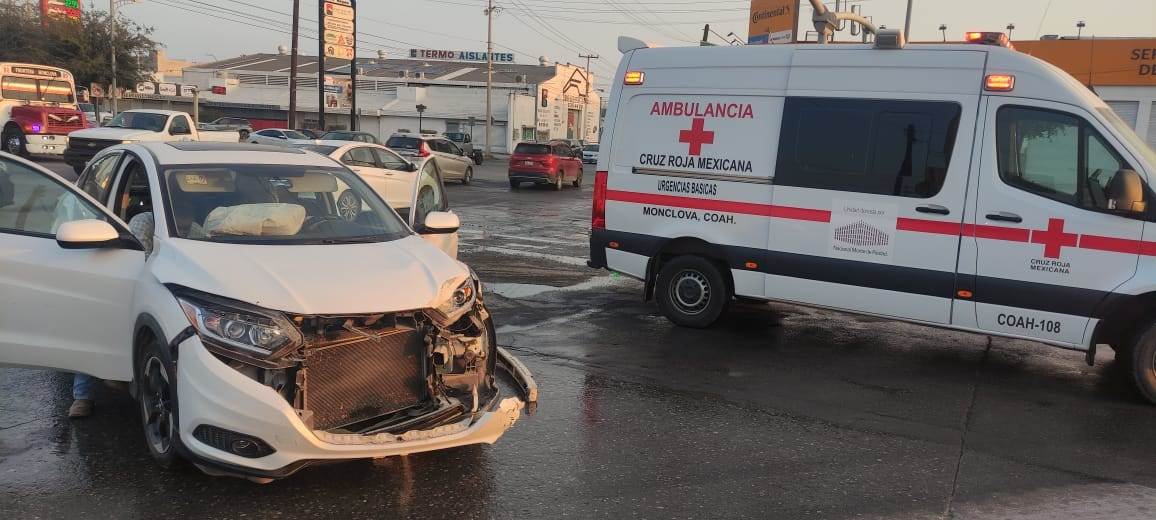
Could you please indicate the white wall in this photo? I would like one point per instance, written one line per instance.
(1146, 97)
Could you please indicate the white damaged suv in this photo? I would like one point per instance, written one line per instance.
(261, 329)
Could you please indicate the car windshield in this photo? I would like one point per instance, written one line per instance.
(338, 136)
(87, 107)
(276, 204)
(319, 148)
(139, 121)
(591, 148)
(293, 134)
(456, 137)
(403, 143)
(29, 89)
(532, 149)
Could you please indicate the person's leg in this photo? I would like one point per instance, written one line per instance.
(83, 386)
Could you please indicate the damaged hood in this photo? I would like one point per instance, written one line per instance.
(401, 275)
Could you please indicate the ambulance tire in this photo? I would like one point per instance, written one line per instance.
(691, 292)
(1141, 363)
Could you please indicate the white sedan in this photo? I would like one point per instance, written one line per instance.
(386, 172)
(279, 137)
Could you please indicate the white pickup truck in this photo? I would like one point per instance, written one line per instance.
(136, 126)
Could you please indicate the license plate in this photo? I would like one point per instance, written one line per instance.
(528, 163)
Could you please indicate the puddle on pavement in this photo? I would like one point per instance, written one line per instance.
(529, 290)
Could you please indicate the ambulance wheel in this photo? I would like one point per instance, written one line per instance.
(691, 292)
(1141, 363)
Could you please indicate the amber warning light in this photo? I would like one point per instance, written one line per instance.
(987, 38)
(633, 77)
(999, 82)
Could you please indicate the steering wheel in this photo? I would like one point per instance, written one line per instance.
(1092, 185)
(312, 223)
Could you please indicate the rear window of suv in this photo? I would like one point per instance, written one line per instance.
(403, 143)
(532, 149)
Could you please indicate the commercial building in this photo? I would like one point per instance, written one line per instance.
(542, 101)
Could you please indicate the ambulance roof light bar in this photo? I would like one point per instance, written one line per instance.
(987, 38)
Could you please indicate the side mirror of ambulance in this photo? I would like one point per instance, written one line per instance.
(1126, 193)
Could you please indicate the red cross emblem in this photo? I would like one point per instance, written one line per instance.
(1054, 239)
(697, 136)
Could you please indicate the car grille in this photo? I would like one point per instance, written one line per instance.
(64, 122)
(93, 145)
(361, 379)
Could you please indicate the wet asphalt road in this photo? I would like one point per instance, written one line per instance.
(779, 412)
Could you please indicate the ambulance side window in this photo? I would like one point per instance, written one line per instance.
(882, 147)
(1056, 155)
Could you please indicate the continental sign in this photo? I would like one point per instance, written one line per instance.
(774, 21)
(1100, 62)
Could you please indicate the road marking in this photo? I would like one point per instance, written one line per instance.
(568, 260)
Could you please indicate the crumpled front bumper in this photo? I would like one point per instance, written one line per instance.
(211, 393)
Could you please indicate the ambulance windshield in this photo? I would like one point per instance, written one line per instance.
(1125, 131)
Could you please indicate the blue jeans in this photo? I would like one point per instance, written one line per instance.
(82, 386)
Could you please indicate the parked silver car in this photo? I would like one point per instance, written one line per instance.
(451, 159)
(240, 124)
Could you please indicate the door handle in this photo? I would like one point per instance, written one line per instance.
(933, 208)
(1004, 216)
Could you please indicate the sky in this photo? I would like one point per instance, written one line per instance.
(204, 30)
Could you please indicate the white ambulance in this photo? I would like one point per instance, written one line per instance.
(966, 186)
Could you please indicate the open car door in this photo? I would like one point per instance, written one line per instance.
(429, 210)
(67, 276)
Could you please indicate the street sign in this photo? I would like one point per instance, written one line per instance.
(96, 90)
(338, 11)
(339, 38)
(167, 89)
(188, 90)
(339, 25)
(343, 52)
(146, 87)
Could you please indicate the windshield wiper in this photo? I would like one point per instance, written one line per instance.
(352, 240)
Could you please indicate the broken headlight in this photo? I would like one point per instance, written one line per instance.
(240, 331)
(457, 298)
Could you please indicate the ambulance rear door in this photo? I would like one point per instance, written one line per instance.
(693, 155)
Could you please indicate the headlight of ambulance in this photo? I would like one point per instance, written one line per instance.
(239, 331)
(127, 141)
(458, 298)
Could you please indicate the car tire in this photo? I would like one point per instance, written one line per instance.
(1140, 362)
(578, 181)
(478, 158)
(514, 184)
(691, 292)
(468, 177)
(156, 398)
(559, 180)
(14, 142)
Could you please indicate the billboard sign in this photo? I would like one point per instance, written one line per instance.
(344, 52)
(338, 11)
(338, 25)
(339, 38)
(67, 8)
(478, 56)
(146, 87)
(774, 21)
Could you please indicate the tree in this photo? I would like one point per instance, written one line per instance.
(80, 46)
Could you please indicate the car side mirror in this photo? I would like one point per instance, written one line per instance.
(282, 137)
(87, 234)
(1126, 192)
(410, 167)
(441, 222)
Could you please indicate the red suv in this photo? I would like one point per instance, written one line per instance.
(539, 163)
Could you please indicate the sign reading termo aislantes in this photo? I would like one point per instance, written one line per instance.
(436, 54)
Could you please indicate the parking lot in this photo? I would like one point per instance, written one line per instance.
(779, 411)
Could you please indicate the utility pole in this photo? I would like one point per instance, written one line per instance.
(943, 29)
(112, 45)
(489, 12)
(586, 105)
(1010, 27)
(293, 68)
(321, 66)
(353, 73)
(705, 36)
(907, 24)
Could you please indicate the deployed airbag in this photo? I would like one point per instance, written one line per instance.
(270, 219)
